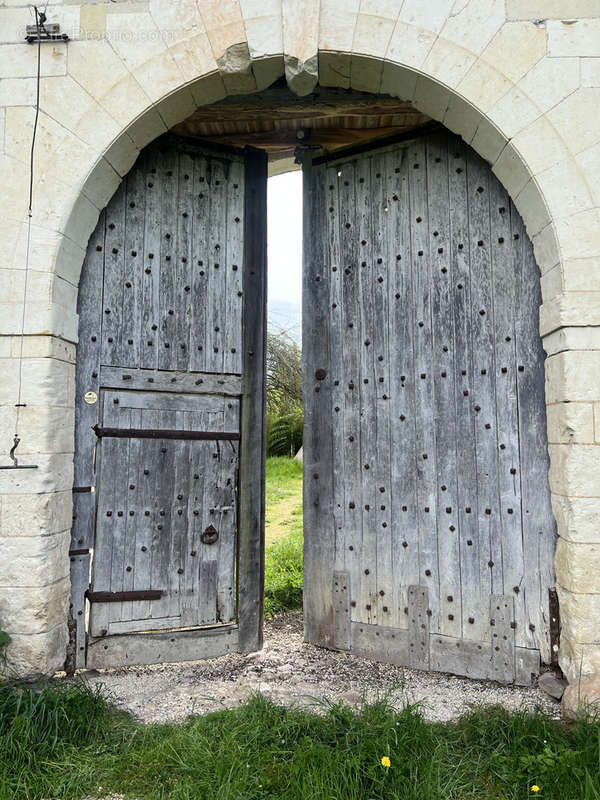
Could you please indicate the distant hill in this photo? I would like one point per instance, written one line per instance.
(285, 316)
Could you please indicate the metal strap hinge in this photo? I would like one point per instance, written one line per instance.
(150, 433)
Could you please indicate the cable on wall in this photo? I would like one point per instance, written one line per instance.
(40, 19)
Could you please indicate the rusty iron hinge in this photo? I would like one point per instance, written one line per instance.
(554, 612)
(153, 433)
(118, 597)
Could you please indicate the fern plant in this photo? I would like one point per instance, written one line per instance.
(284, 433)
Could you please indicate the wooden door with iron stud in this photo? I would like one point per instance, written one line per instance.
(168, 528)
(429, 534)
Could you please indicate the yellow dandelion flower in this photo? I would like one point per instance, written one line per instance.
(535, 788)
(385, 762)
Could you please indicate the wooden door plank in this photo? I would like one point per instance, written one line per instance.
(483, 395)
(358, 464)
(383, 487)
(380, 643)
(89, 349)
(168, 343)
(80, 581)
(151, 341)
(190, 595)
(228, 479)
(472, 593)
(174, 382)
(147, 518)
(179, 520)
(424, 387)
(133, 515)
(183, 260)
(234, 266)
(161, 538)
(217, 269)
(319, 525)
(342, 630)
(503, 638)
(84, 520)
(504, 291)
(114, 267)
(461, 656)
(133, 272)
(402, 389)
(127, 651)
(168, 402)
(251, 527)
(201, 272)
(362, 471)
(342, 514)
(419, 608)
(207, 603)
(444, 380)
(539, 527)
(119, 529)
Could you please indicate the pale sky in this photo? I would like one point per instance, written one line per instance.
(284, 231)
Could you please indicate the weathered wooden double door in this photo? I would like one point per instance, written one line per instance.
(429, 536)
(169, 463)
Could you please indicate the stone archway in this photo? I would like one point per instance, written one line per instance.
(481, 73)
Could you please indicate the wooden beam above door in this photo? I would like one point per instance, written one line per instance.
(277, 121)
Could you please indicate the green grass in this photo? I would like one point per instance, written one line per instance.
(66, 743)
(283, 558)
(283, 476)
(283, 572)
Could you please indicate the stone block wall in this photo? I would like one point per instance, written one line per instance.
(517, 79)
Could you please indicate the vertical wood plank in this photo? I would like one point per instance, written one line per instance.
(161, 536)
(80, 581)
(381, 388)
(504, 291)
(424, 387)
(251, 531)
(402, 389)
(89, 348)
(229, 459)
(114, 266)
(132, 514)
(232, 339)
(444, 380)
(418, 627)
(483, 395)
(359, 465)
(84, 520)
(363, 474)
(147, 518)
(151, 338)
(201, 222)
(472, 593)
(319, 526)
(539, 527)
(183, 260)
(133, 260)
(336, 379)
(503, 638)
(167, 266)
(217, 267)
(342, 630)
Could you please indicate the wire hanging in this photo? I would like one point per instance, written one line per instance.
(40, 18)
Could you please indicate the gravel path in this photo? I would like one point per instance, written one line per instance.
(290, 671)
